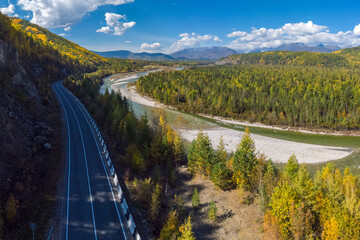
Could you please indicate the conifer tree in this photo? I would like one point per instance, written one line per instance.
(170, 230)
(245, 161)
(212, 211)
(291, 168)
(221, 154)
(155, 204)
(186, 232)
(195, 200)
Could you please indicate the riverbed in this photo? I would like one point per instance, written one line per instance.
(188, 127)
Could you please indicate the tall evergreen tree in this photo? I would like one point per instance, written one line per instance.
(245, 161)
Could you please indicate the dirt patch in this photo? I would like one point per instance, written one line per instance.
(235, 220)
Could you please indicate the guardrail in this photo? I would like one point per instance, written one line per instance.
(115, 181)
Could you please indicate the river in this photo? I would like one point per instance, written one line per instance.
(188, 126)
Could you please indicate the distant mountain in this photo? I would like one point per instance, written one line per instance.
(203, 53)
(300, 47)
(135, 56)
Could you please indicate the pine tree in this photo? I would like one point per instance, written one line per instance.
(195, 200)
(244, 162)
(221, 154)
(212, 211)
(201, 156)
(186, 232)
(222, 176)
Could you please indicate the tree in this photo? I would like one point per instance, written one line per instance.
(222, 176)
(282, 201)
(221, 154)
(331, 230)
(244, 162)
(155, 204)
(291, 168)
(201, 156)
(178, 149)
(11, 208)
(195, 200)
(186, 232)
(170, 230)
(212, 211)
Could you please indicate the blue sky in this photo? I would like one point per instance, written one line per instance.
(170, 25)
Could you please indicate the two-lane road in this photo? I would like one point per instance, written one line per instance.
(90, 205)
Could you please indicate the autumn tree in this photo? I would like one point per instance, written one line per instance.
(212, 211)
(170, 230)
(186, 232)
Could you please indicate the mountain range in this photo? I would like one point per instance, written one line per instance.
(300, 47)
(213, 53)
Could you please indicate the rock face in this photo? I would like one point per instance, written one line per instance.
(26, 138)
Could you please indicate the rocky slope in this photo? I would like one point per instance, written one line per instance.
(29, 132)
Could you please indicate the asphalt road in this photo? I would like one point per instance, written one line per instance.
(91, 210)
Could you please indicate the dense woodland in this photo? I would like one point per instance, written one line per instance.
(301, 96)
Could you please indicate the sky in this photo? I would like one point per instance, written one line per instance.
(171, 25)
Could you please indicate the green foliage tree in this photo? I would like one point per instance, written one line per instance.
(178, 149)
(244, 162)
(201, 156)
(195, 200)
(222, 176)
(291, 168)
(221, 154)
(212, 212)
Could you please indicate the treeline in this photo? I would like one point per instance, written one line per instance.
(314, 97)
(148, 149)
(289, 58)
(295, 206)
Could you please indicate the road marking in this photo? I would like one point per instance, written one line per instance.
(69, 163)
(87, 170)
(102, 161)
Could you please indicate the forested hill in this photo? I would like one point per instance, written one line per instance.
(290, 58)
(71, 52)
(302, 96)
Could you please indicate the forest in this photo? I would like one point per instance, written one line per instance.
(299, 96)
(295, 205)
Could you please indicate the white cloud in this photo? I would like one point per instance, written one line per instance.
(127, 41)
(307, 33)
(9, 10)
(192, 40)
(62, 34)
(63, 13)
(151, 47)
(114, 25)
(357, 30)
(67, 29)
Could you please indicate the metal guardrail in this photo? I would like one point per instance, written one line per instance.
(125, 209)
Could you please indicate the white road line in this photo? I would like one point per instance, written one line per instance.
(102, 161)
(87, 170)
(69, 163)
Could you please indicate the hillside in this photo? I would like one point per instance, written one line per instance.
(30, 142)
(203, 53)
(70, 51)
(287, 58)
